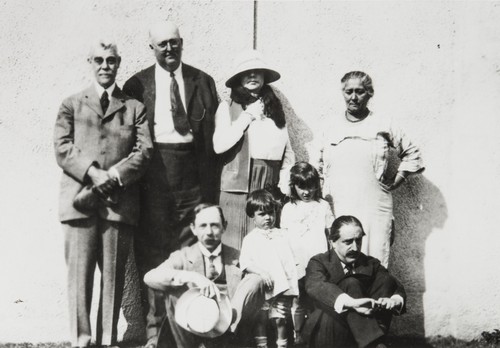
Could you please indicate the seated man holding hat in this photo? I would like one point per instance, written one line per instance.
(205, 296)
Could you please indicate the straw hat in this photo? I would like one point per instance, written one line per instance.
(203, 316)
(251, 60)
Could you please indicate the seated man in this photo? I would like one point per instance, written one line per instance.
(353, 294)
(212, 267)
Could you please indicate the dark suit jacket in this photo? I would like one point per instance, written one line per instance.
(191, 259)
(201, 105)
(325, 271)
(83, 136)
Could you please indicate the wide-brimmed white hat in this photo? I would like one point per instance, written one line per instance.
(251, 60)
(203, 316)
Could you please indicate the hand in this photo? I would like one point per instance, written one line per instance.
(387, 303)
(396, 182)
(97, 176)
(268, 281)
(256, 109)
(363, 306)
(207, 287)
(107, 188)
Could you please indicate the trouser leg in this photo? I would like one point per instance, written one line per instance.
(81, 255)
(364, 329)
(384, 285)
(247, 300)
(115, 238)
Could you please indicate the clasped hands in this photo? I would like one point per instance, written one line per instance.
(368, 306)
(104, 184)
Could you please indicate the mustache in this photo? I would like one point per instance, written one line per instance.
(352, 254)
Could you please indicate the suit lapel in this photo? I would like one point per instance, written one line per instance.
(195, 259)
(150, 96)
(189, 83)
(116, 102)
(337, 271)
(233, 273)
(93, 101)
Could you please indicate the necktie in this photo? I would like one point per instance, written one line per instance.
(104, 102)
(349, 269)
(211, 271)
(179, 116)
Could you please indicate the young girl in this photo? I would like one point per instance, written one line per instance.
(306, 218)
(266, 251)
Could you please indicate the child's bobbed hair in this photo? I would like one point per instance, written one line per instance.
(304, 175)
(260, 200)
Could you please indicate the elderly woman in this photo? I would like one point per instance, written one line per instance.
(355, 156)
(251, 134)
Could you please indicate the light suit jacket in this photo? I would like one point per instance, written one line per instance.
(191, 259)
(120, 138)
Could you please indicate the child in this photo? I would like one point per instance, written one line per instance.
(266, 251)
(306, 218)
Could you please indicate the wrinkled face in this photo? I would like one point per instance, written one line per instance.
(348, 246)
(264, 219)
(305, 192)
(208, 227)
(356, 96)
(105, 64)
(166, 43)
(252, 80)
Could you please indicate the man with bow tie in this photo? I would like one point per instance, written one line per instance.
(353, 294)
(102, 144)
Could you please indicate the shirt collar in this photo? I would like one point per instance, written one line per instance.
(162, 72)
(207, 253)
(100, 90)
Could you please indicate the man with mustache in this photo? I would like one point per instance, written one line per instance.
(181, 102)
(353, 294)
(103, 146)
(212, 267)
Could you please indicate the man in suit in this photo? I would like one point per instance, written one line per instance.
(181, 102)
(212, 267)
(353, 294)
(102, 144)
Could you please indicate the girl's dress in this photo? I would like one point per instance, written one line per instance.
(305, 223)
(355, 162)
(255, 153)
(270, 250)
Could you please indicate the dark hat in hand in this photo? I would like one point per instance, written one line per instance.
(86, 199)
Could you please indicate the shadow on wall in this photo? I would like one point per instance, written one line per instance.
(419, 208)
(298, 131)
(131, 303)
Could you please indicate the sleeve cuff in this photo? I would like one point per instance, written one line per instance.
(114, 174)
(339, 303)
(401, 301)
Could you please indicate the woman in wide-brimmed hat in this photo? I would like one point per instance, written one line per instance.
(251, 133)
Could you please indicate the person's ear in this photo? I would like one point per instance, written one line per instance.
(192, 228)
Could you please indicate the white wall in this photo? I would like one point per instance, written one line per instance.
(435, 66)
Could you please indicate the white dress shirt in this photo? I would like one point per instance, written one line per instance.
(206, 255)
(163, 122)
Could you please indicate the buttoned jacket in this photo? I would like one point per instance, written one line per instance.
(84, 135)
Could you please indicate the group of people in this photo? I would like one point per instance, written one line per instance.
(224, 222)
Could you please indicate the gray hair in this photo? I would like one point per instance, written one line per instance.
(107, 44)
(366, 80)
